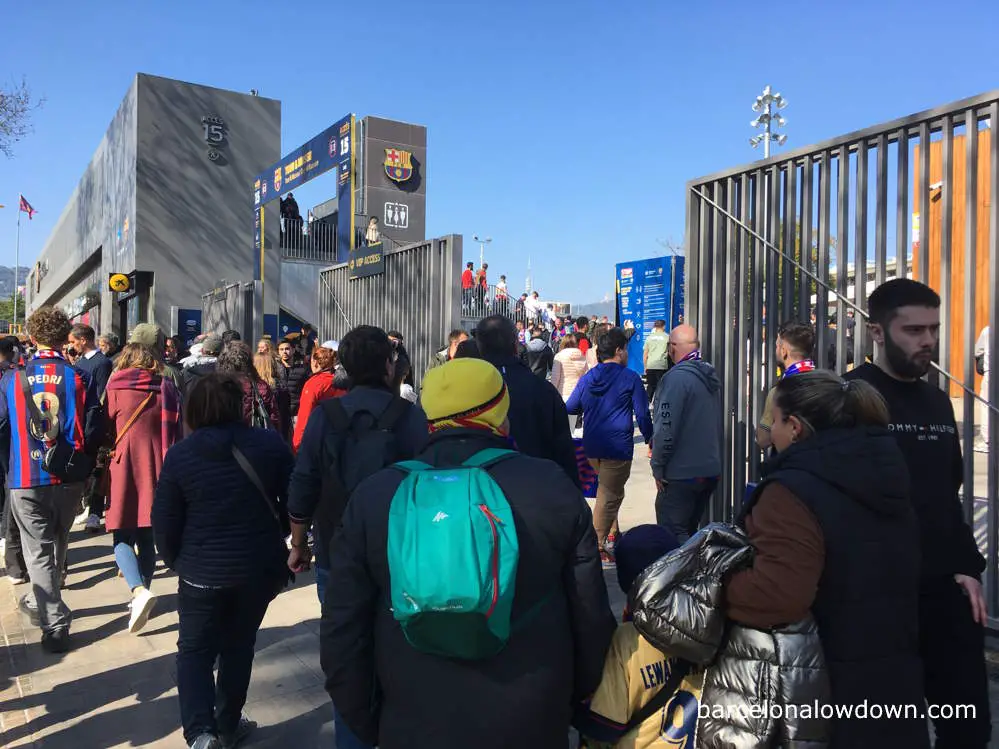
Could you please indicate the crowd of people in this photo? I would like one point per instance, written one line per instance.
(459, 570)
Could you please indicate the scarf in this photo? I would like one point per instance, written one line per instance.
(144, 381)
(805, 365)
(692, 356)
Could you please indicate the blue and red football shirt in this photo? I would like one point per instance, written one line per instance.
(63, 398)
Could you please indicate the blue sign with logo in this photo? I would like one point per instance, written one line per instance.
(333, 148)
(648, 290)
(188, 325)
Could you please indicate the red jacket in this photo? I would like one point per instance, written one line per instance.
(317, 388)
(467, 279)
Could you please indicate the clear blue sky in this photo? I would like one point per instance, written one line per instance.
(566, 131)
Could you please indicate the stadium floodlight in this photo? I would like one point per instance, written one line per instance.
(766, 103)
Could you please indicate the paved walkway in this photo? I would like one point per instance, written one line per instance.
(119, 690)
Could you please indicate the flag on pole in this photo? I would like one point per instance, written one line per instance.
(25, 207)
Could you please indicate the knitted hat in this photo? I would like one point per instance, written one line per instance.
(638, 548)
(465, 393)
(146, 333)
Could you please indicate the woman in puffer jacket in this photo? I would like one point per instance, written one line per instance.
(570, 364)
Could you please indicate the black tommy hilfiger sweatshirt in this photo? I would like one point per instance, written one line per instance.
(922, 420)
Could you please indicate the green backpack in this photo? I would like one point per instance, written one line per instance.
(452, 555)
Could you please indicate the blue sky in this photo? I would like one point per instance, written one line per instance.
(566, 131)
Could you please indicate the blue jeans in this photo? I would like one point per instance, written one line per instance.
(322, 579)
(345, 738)
(136, 570)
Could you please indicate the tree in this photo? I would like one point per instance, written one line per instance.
(16, 107)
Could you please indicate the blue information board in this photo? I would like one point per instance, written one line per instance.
(648, 290)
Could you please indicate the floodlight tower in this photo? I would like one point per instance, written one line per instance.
(768, 119)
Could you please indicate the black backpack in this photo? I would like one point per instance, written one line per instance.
(358, 446)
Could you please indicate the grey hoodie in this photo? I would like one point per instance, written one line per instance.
(686, 442)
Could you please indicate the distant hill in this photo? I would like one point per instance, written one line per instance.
(7, 280)
(595, 309)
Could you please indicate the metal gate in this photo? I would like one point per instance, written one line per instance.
(782, 239)
(229, 307)
(419, 294)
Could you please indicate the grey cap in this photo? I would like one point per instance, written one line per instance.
(212, 345)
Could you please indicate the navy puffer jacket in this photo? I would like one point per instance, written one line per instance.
(211, 524)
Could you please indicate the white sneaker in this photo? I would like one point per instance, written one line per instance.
(142, 606)
(981, 446)
(93, 524)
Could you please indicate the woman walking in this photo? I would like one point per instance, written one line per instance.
(835, 535)
(327, 381)
(143, 409)
(220, 520)
(570, 365)
(259, 404)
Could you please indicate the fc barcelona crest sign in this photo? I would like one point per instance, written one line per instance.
(398, 164)
(277, 180)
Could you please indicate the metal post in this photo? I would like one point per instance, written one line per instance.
(17, 260)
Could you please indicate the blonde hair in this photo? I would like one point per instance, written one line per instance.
(821, 400)
(266, 366)
(571, 340)
(139, 356)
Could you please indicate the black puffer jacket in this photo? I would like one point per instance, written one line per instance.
(397, 697)
(211, 524)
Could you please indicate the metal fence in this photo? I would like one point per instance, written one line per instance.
(312, 242)
(778, 239)
(419, 294)
(229, 307)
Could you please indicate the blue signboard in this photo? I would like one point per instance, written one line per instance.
(188, 325)
(333, 148)
(648, 290)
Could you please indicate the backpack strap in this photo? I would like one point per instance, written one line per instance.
(336, 414)
(412, 466)
(489, 457)
(394, 411)
(676, 676)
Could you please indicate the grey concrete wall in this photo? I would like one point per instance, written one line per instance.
(380, 134)
(299, 284)
(197, 214)
(91, 230)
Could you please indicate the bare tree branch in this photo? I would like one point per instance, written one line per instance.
(16, 107)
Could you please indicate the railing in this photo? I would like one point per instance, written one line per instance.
(477, 303)
(763, 239)
(308, 242)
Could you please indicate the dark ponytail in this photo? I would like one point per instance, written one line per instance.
(824, 401)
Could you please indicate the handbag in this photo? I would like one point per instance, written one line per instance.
(60, 458)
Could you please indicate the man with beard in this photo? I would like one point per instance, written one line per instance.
(905, 323)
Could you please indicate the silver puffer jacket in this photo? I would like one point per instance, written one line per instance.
(760, 686)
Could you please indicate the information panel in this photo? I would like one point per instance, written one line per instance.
(648, 290)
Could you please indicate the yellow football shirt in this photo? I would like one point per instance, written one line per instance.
(634, 673)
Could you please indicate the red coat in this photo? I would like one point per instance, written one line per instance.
(317, 388)
(138, 457)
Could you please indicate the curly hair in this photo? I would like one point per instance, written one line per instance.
(49, 326)
(323, 358)
(236, 358)
(139, 356)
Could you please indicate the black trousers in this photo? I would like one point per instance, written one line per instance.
(217, 624)
(953, 652)
(652, 377)
(681, 504)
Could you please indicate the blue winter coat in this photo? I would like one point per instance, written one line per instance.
(609, 396)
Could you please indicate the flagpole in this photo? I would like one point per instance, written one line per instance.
(17, 257)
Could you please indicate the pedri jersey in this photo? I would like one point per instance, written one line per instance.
(634, 673)
(59, 392)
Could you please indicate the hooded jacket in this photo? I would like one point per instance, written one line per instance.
(210, 521)
(568, 369)
(540, 357)
(610, 397)
(395, 696)
(687, 441)
(866, 603)
(677, 604)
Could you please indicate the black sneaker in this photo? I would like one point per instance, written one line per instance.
(28, 610)
(56, 641)
(243, 729)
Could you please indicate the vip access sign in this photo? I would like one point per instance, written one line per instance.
(648, 290)
(333, 148)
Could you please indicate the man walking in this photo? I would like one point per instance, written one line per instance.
(290, 377)
(686, 447)
(795, 342)
(539, 423)
(44, 506)
(611, 398)
(655, 357)
(394, 693)
(97, 368)
(905, 324)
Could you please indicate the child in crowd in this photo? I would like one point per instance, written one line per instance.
(627, 710)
